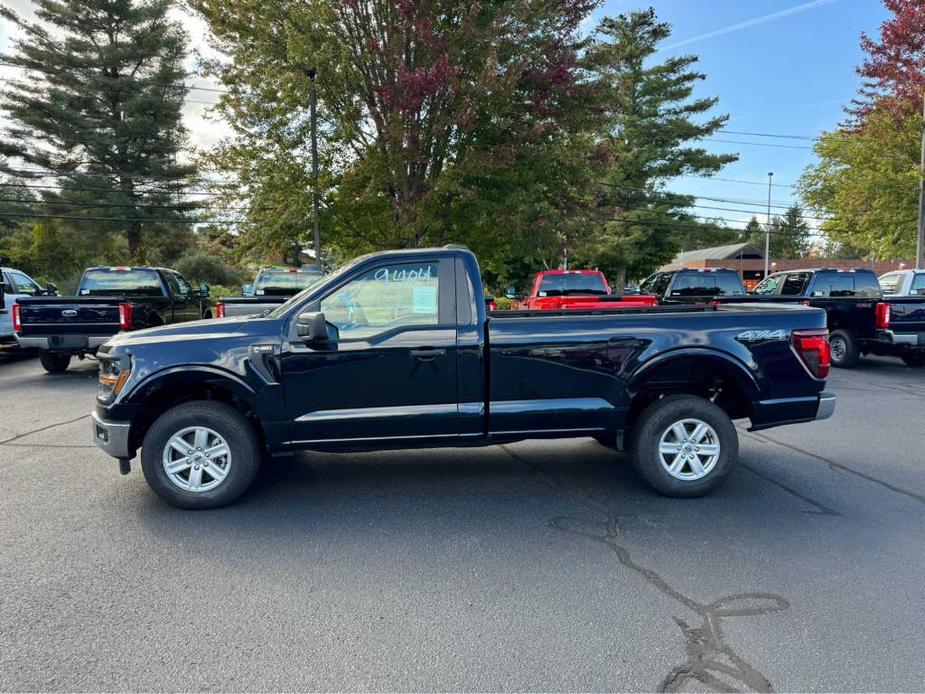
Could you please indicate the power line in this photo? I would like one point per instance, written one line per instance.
(141, 220)
(763, 184)
(755, 144)
(788, 137)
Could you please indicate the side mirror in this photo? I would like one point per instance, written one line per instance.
(247, 289)
(51, 289)
(312, 327)
(204, 291)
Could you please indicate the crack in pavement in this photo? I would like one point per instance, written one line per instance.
(822, 510)
(41, 429)
(836, 466)
(710, 660)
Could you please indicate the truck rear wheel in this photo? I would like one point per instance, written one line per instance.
(845, 352)
(684, 446)
(914, 360)
(200, 455)
(55, 362)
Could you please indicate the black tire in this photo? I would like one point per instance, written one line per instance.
(914, 360)
(656, 420)
(55, 362)
(224, 420)
(845, 351)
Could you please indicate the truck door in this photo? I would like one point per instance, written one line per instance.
(388, 371)
(185, 305)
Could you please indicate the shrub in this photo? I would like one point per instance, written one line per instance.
(199, 267)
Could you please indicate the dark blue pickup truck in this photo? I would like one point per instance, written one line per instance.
(396, 349)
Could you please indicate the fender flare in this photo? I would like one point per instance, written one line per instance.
(192, 375)
(728, 364)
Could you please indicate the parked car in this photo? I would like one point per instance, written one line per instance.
(554, 290)
(901, 324)
(16, 284)
(109, 300)
(271, 287)
(693, 286)
(396, 350)
(860, 319)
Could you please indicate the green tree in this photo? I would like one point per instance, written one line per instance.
(867, 181)
(439, 121)
(100, 108)
(652, 129)
(791, 236)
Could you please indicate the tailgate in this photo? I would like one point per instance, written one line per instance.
(907, 315)
(69, 316)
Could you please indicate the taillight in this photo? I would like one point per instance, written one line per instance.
(883, 316)
(125, 316)
(17, 319)
(220, 309)
(813, 348)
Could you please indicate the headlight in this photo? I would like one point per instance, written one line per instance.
(115, 370)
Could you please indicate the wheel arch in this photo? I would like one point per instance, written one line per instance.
(705, 372)
(166, 389)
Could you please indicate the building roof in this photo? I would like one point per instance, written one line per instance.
(733, 251)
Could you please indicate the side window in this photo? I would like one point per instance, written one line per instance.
(794, 284)
(866, 285)
(918, 284)
(172, 285)
(768, 285)
(184, 290)
(890, 284)
(729, 284)
(384, 298)
(23, 285)
(648, 286)
(660, 283)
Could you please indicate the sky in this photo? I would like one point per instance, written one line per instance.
(784, 67)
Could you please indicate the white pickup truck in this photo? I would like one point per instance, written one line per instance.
(272, 287)
(15, 285)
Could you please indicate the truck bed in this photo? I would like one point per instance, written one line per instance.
(62, 315)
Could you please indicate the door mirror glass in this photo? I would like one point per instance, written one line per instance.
(510, 293)
(204, 291)
(312, 327)
(247, 289)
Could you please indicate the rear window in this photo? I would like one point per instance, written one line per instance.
(846, 284)
(707, 284)
(572, 283)
(284, 281)
(122, 282)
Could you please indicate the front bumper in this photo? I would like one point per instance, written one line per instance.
(63, 343)
(112, 437)
(826, 406)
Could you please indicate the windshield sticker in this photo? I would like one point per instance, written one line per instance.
(424, 300)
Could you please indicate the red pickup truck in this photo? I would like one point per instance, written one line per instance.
(552, 290)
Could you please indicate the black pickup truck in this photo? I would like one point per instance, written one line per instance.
(861, 320)
(396, 349)
(693, 286)
(109, 300)
(270, 288)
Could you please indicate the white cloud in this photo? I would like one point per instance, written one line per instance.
(750, 23)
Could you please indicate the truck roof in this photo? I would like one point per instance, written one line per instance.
(569, 272)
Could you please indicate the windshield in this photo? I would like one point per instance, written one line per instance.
(327, 280)
(284, 282)
(120, 281)
(572, 283)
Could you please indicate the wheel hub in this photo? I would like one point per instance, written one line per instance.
(196, 459)
(689, 449)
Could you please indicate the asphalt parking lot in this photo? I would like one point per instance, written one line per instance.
(535, 566)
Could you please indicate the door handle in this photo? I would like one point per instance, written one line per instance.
(426, 353)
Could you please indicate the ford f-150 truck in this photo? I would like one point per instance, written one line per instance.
(271, 287)
(901, 318)
(553, 290)
(693, 286)
(395, 349)
(861, 320)
(109, 300)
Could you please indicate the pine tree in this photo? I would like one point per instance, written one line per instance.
(99, 109)
(652, 125)
(791, 236)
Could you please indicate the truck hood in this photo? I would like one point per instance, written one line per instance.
(213, 328)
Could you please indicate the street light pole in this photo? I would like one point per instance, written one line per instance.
(767, 230)
(311, 72)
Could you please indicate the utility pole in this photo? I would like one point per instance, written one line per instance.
(311, 72)
(920, 246)
(767, 230)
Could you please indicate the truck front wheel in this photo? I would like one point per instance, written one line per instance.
(201, 454)
(684, 446)
(54, 362)
(845, 352)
